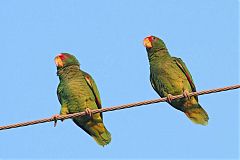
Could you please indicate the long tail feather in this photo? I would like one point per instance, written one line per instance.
(197, 115)
(95, 129)
(101, 135)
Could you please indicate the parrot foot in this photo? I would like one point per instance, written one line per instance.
(169, 98)
(88, 112)
(186, 94)
(55, 119)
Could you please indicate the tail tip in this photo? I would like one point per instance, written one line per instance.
(103, 139)
(198, 117)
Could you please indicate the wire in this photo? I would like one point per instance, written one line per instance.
(113, 108)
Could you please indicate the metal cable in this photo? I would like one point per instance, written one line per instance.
(113, 108)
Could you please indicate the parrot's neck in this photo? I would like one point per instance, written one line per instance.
(68, 71)
(158, 56)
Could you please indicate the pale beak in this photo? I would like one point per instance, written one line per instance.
(58, 61)
(147, 43)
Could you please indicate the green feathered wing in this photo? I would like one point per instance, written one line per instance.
(91, 83)
(96, 127)
(184, 69)
(163, 86)
(196, 113)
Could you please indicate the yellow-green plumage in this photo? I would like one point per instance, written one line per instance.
(78, 91)
(169, 75)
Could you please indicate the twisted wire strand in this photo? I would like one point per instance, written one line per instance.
(113, 108)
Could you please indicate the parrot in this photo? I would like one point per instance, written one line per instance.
(169, 76)
(77, 92)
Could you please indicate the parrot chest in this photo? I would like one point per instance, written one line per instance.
(77, 95)
(169, 78)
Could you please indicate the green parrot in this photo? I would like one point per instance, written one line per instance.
(170, 76)
(78, 92)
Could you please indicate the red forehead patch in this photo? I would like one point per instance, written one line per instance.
(62, 56)
(150, 38)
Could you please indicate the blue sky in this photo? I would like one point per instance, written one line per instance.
(106, 37)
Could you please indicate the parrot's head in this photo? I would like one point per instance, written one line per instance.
(65, 59)
(153, 44)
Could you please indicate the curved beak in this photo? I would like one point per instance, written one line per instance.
(58, 62)
(147, 43)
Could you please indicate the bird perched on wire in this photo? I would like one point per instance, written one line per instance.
(170, 76)
(77, 92)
